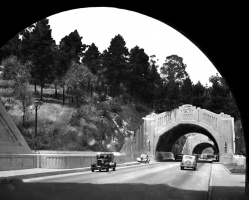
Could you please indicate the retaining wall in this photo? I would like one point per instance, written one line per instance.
(55, 160)
(17, 161)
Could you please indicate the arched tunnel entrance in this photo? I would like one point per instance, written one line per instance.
(167, 140)
(200, 147)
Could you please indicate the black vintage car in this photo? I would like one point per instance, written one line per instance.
(105, 161)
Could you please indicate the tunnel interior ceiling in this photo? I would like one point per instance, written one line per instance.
(200, 147)
(167, 140)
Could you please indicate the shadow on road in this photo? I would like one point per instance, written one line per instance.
(75, 191)
(228, 193)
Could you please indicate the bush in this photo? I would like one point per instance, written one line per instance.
(126, 98)
(119, 121)
(141, 108)
(115, 107)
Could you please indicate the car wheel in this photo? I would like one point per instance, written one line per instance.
(114, 169)
(107, 169)
(92, 170)
(99, 170)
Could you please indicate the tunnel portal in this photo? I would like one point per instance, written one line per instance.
(167, 140)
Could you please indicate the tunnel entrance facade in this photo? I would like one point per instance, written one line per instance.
(197, 143)
(161, 131)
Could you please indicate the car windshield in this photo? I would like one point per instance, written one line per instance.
(104, 157)
(189, 157)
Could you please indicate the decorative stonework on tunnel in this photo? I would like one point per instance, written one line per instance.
(159, 132)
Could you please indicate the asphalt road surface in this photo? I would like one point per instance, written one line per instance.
(152, 181)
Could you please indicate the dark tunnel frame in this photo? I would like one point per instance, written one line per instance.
(199, 148)
(167, 140)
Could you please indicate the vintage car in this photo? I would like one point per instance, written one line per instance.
(144, 158)
(104, 161)
(206, 158)
(189, 161)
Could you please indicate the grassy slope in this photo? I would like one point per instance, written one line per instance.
(54, 118)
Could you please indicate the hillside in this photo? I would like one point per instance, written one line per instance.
(66, 127)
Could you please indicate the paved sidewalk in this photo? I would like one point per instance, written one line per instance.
(225, 185)
(40, 172)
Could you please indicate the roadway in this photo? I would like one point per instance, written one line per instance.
(151, 181)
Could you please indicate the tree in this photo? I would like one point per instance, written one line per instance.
(219, 87)
(77, 79)
(174, 69)
(40, 52)
(186, 91)
(14, 70)
(137, 75)
(155, 82)
(20, 74)
(12, 47)
(220, 99)
(198, 95)
(92, 58)
(69, 50)
(23, 93)
(173, 74)
(115, 63)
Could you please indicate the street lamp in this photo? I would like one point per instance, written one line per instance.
(102, 132)
(37, 106)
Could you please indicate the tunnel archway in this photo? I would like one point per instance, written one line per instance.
(200, 147)
(167, 140)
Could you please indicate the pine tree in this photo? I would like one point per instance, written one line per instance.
(40, 52)
(138, 73)
(92, 58)
(115, 64)
(12, 47)
(69, 50)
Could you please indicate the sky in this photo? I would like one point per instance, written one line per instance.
(99, 25)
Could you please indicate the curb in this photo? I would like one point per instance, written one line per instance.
(68, 171)
(231, 173)
(227, 169)
(42, 174)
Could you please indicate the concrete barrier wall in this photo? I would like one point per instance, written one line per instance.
(72, 161)
(17, 161)
(63, 161)
(55, 160)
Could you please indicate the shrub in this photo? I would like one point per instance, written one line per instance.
(115, 107)
(141, 108)
(119, 121)
(126, 98)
